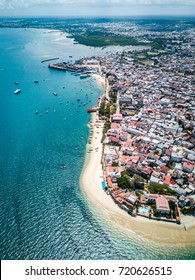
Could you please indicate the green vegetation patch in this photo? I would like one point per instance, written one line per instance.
(160, 189)
(131, 181)
(104, 110)
(104, 40)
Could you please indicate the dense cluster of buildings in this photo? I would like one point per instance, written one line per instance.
(152, 132)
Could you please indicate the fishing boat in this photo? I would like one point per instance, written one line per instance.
(91, 110)
(54, 93)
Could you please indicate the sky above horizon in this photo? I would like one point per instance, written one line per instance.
(74, 8)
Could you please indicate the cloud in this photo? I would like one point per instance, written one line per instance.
(16, 4)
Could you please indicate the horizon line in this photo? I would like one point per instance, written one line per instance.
(95, 16)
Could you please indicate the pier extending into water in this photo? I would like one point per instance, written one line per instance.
(82, 67)
(63, 66)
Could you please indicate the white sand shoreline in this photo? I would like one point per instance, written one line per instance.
(91, 179)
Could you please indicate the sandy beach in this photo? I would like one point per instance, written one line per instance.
(103, 83)
(91, 179)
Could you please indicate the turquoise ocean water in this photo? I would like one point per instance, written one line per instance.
(44, 214)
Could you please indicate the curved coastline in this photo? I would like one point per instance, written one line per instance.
(90, 181)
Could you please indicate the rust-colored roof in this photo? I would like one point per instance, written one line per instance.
(114, 139)
(167, 180)
(164, 169)
(142, 199)
(115, 125)
(110, 169)
(128, 143)
(109, 182)
(134, 159)
(124, 158)
(162, 203)
(114, 188)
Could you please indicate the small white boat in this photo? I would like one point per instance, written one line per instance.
(62, 166)
(54, 93)
(17, 91)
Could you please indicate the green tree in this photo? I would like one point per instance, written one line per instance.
(102, 109)
(124, 182)
(138, 182)
(107, 111)
(129, 172)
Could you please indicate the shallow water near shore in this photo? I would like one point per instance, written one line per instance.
(44, 214)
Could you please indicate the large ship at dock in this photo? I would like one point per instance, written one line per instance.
(77, 67)
(63, 66)
(58, 66)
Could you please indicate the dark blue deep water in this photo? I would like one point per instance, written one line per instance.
(43, 212)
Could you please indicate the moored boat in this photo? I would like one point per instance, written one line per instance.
(91, 110)
(84, 76)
